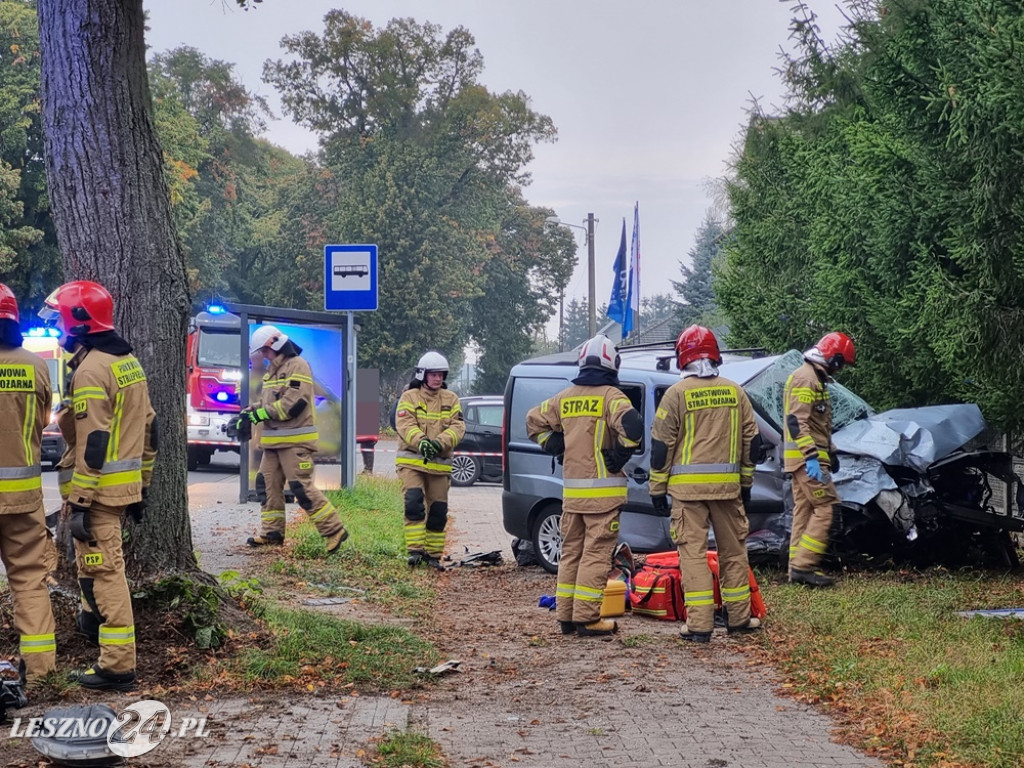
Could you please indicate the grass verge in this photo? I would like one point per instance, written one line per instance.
(405, 749)
(371, 564)
(915, 683)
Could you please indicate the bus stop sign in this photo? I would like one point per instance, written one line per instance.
(350, 277)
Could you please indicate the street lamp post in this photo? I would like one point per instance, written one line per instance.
(591, 289)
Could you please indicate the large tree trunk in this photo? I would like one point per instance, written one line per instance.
(112, 213)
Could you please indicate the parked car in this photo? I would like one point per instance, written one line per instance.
(909, 490)
(478, 456)
(52, 446)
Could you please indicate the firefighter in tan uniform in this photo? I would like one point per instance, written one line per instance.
(111, 430)
(288, 439)
(24, 541)
(810, 455)
(593, 429)
(428, 420)
(701, 457)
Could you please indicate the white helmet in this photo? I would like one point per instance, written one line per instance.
(599, 352)
(431, 361)
(266, 336)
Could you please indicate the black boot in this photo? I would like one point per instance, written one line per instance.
(270, 538)
(88, 625)
(810, 578)
(415, 558)
(694, 637)
(567, 627)
(97, 679)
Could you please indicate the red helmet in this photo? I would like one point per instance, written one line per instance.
(8, 304)
(697, 342)
(80, 308)
(837, 349)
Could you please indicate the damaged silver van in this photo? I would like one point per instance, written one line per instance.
(910, 490)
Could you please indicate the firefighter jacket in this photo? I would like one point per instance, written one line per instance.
(807, 417)
(707, 424)
(591, 420)
(24, 410)
(288, 396)
(113, 432)
(426, 415)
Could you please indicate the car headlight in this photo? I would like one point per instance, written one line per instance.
(198, 420)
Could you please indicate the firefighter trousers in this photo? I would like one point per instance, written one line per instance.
(425, 497)
(588, 542)
(690, 521)
(105, 593)
(24, 549)
(812, 519)
(293, 466)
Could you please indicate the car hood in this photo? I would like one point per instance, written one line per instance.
(912, 437)
(908, 437)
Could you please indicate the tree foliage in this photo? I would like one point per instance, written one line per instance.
(697, 299)
(423, 161)
(887, 202)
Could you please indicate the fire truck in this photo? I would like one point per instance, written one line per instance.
(214, 374)
(45, 342)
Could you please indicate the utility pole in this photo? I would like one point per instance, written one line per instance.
(592, 304)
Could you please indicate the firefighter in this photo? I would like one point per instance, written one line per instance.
(288, 439)
(25, 546)
(592, 429)
(428, 420)
(701, 457)
(111, 432)
(810, 456)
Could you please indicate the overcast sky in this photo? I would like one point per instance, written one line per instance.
(649, 97)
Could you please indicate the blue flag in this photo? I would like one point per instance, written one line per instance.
(633, 294)
(618, 303)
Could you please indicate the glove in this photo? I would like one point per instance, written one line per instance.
(257, 415)
(427, 448)
(615, 458)
(240, 428)
(833, 462)
(79, 521)
(814, 469)
(437, 446)
(661, 504)
(137, 511)
(555, 444)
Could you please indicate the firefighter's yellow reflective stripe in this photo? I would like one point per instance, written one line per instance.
(272, 438)
(723, 477)
(651, 611)
(422, 463)
(420, 413)
(28, 428)
(698, 469)
(808, 394)
(414, 534)
(589, 594)
(659, 477)
(414, 435)
(803, 441)
(746, 471)
(323, 513)
(28, 484)
(818, 547)
(272, 515)
(735, 594)
(618, 404)
(120, 478)
(114, 444)
(278, 407)
(594, 493)
(17, 378)
(37, 644)
(583, 405)
(89, 393)
(147, 464)
(823, 456)
(594, 482)
(453, 434)
(565, 590)
(117, 635)
(299, 377)
(699, 598)
(542, 438)
(433, 543)
(86, 481)
(545, 405)
(93, 558)
(699, 398)
(687, 454)
(602, 468)
(734, 435)
(64, 488)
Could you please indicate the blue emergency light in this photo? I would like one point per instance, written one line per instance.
(216, 309)
(43, 332)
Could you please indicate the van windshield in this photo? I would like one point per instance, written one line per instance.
(219, 350)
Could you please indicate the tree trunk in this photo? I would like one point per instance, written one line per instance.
(112, 213)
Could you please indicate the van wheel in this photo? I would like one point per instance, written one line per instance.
(465, 470)
(547, 538)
